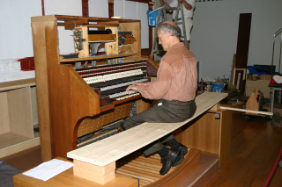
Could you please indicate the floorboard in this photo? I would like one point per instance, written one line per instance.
(254, 149)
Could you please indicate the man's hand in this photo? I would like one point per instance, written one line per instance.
(134, 86)
(131, 88)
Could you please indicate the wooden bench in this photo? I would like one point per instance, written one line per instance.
(99, 158)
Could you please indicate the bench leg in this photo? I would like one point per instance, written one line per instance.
(94, 173)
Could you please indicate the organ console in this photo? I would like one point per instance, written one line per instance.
(77, 103)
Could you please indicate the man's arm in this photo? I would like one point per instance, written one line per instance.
(186, 5)
(156, 89)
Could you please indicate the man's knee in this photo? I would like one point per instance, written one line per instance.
(129, 123)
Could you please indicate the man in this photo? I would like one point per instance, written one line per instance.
(188, 10)
(175, 88)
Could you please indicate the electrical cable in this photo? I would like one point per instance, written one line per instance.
(267, 181)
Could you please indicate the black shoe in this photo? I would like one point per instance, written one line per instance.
(167, 161)
(182, 151)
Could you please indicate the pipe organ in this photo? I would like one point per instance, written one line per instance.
(78, 103)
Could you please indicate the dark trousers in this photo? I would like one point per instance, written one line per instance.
(163, 112)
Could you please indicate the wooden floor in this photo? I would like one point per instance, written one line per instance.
(254, 149)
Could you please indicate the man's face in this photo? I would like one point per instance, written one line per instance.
(163, 40)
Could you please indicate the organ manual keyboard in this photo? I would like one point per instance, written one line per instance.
(77, 102)
(110, 81)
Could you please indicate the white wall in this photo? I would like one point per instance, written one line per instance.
(15, 31)
(98, 8)
(215, 31)
(64, 7)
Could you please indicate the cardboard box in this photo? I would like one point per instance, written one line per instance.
(261, 85)
(265, 77)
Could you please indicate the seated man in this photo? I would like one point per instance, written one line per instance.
(175, 88)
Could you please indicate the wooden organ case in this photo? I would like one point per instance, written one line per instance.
(67, 103)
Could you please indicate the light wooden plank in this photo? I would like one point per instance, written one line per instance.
(40, 59)
(244, 110)
(19, 103)
(115, 147)
(34, 107)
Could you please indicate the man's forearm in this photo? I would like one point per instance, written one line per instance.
(186, 5)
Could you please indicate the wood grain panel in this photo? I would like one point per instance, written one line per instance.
(4, 114)
(135, 29)
(20, 112)
(40, 60)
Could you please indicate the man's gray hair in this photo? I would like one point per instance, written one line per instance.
(172, 29)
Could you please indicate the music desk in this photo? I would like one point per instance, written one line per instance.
(67, 179)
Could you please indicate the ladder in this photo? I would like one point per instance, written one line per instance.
(163, 17)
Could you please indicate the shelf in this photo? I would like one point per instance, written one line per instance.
(18, 106)
(95, 57)
(16, 84)
(9, 139)
(11, 143)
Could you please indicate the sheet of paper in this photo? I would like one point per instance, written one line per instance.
(49, 169)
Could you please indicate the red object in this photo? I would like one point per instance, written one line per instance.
(272, 81)
(27, 63)
(268, 179)
(206, 86)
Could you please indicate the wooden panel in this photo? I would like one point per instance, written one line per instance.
(85, 51)
(135, 29)
(225, 136)
(20, 112)
(34, 107)
(4, 114)
(142, 105)
(261, 85)
(204, 134)
(101, 37)
(242, 51)
(112, 47)
(40, 60)
(66, 178)
(111, 149)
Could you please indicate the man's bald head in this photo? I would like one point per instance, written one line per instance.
(171, 28)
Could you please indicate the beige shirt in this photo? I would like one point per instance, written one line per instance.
(176, 78)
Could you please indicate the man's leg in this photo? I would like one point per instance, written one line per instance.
(168, 112)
